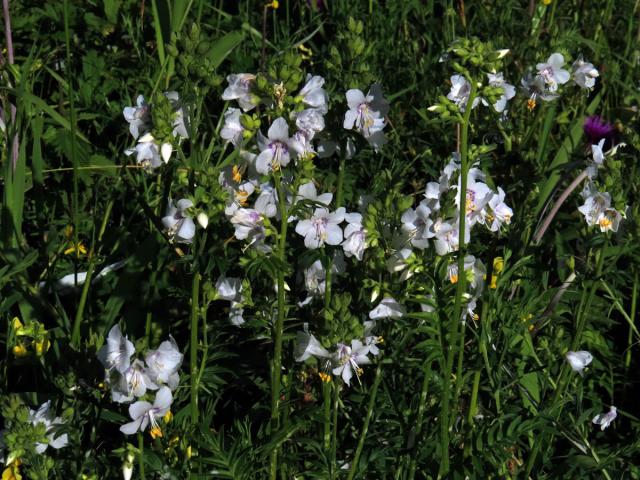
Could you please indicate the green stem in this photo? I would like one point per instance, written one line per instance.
(334, 438)
(464, 168)
(326, 393)
(634, 302)
(367, 420)
(276, 370)
(422, 406)
(340, 186)
(195, 293)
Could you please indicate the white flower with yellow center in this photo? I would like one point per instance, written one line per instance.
(552, 72)
(143, 413)
(323, 227)
(349, 360)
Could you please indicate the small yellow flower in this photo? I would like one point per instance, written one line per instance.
(546, 2)
(17, 324)
(155, 432)
(42, 347)
(498, 266)
(326, 378)
(274, 4)
(80, 248)
(20, 351)
(454, 278)
(188, 453)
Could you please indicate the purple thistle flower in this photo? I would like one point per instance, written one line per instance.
(596, 128)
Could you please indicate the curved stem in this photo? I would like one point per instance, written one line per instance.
(464, 168)
(195, 292)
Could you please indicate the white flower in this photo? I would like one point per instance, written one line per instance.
(398, 261)
(605, 419)
(134, 382)
(274, 150)
(371, 340)
(179, 226)
(355, 236)
(366, 114)
(232, 130)
(478, 196)
(499, 212)
(323, 227)
(164, 363)
(147, 153)
(594, 206)
(416, 224)
(240, 89)
(248, 224)
(178, 124)
(350, 359)
(144, 413)
(139, 117)
(229, 288)
(609, 220)
(117, 352)
(387, 308)
(579, 360)
(127, 467)
(45, 416)
(308, 191)
(307, 346)
(584, 73)
(509, 91)
(597, 153)
(552, 72)
(310, 121)
(446, 236)
(301, 144)
(535, 87)
(313, 94)
(460, 91)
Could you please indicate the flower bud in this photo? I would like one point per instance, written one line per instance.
(203, 220)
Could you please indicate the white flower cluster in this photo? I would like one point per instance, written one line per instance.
(230, 288)
(461, 89)
(149, 151)
(597, 209)
(551, 74)
(45, 416)
(131, 379)
(366, 114)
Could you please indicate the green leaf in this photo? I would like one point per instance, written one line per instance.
(223, 47)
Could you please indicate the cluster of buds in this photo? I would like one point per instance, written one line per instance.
(30, 339)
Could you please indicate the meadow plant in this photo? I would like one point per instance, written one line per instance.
(275, 241)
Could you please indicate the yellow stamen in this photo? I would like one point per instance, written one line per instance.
(453, 278)
(359, 371)
(155, 432)
(80, 248)
(326, 378)
(380, 339)
(167, 417)
(237, 174)
(605, 223)
(531, 104)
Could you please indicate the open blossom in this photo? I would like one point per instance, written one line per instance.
(355, 236)
(552, 72)
(323, 227)
(366, 114)
(274, 150)
(308, 346)
(584, 73)
(499, 213)
(313, 95)
(179, 115)
(387, 308)
(605, 419)
(509, 91)
(164, 363)
(416, 224)
(310, 121)
(248, 225)
(597, 210)
(139, 117)
(232, 130)
(147, 152)
(179, 225)
(45, 416)
(478, 196)
(143, 413)
(116, 353)
(349, 359)
(579, 360)
(535, 87)
(460, 91)
(134, 382)
(240, 89)
(596, 128)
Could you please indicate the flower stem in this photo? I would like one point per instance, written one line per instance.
(464, 168)
(276, 370)
(367, 420)
(141, 454)
(419, 419)
(195, 292)
(334, 438)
